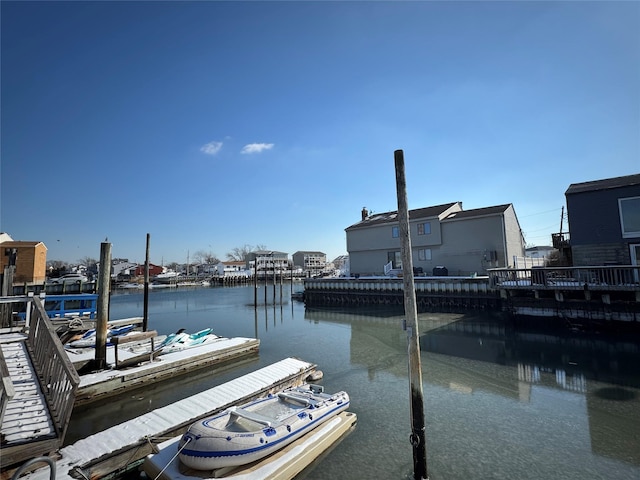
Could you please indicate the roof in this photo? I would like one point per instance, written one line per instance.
(267, 253)
(477, 212)
(605, 184)
(392, 217)
(308, 252)
(22, 244)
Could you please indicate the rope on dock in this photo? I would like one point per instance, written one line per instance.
(173, 458)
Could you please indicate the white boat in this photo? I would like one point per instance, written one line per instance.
(181, 340)
(88, 339)
(242, 435)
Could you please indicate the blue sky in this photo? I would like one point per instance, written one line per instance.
(213, 125)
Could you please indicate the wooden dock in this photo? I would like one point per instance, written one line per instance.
(107, 383)
(124, 447)
(37, 391)
(40, 384)
(285, 464)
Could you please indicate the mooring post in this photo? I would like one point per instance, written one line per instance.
(103, 305)
(145, 311)
(417, 437)
(255, 283)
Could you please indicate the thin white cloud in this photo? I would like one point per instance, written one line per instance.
(256, 147)
(211, 148)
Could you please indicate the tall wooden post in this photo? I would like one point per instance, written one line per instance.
(273, 261)
(103, 305)
(255, 283)
(145, 311)
(417, 437)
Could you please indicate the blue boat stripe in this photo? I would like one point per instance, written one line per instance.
(234, 453)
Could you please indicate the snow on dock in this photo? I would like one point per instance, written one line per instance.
(117, 448)
(106, 383)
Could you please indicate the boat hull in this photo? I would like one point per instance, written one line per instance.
(245, 434)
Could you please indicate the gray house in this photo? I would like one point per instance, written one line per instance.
(267, 262)
(604, 221)
(445, 239)
(310, 262)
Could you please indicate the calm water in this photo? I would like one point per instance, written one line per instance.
(500, 402)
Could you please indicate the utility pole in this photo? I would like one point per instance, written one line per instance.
(417, 437)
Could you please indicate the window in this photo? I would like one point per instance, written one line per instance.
(395, 258)
(395, 232)
(424, 228)
(629, 216)
(424, 254)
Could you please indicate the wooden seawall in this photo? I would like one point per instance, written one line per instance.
(590, 293)
(468, 293)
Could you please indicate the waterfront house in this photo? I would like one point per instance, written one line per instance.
(604, 221)
(154, 270)
(266, 262)
(29, 258)
(445, 240)
(231, 269)
(312, 263)
(122, 269)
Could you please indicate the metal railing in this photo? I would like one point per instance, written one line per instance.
(619, 277)
(56, 374)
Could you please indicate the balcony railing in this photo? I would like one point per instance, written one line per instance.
(620, 277)
(560, 240)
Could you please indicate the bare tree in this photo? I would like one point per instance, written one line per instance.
(87, 261)
(239, 254)
(205, 257)
(198, 257)
(57, 264)
(173, 266)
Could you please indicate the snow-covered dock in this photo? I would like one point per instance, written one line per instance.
(126, 445)
(282, 465)
(106, 383)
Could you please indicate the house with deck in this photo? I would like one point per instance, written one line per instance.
(604, 221)
(445, 240)
(267, 262)
(312, 263)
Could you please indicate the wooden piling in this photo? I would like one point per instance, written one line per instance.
(103, 305)
(145, 312)
(417, 436)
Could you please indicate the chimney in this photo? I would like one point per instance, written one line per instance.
(365, 213)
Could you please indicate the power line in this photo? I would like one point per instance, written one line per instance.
(541, 213)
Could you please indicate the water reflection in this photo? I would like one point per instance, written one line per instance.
(467, 354)
(502, 401)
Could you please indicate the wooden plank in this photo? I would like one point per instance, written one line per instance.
(133, 361)
(137, 337)
(125, 445)
(99, 386)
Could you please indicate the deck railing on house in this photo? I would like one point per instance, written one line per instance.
(619, 277)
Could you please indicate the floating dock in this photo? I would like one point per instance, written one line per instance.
(107, 383)
(284, 464)
(124, 447)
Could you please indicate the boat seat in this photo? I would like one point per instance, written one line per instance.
(290, 397)
(237, 412)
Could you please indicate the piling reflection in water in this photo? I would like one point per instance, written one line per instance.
(540, 360)
(502, 401)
